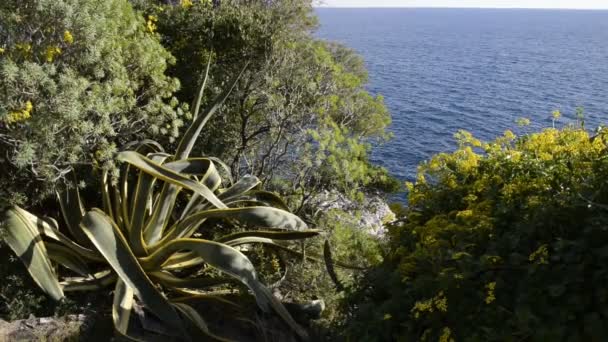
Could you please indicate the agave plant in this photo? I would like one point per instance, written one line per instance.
(141, 240)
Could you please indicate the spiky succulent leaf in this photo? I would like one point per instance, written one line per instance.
(108, 239)
(25, 240)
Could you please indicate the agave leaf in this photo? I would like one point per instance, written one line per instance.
(108, 239)
(171, 281)
(229, 261)
(143, 193)
(96, 281)
(67, 258)
(329, 265)
(72, 211)
(258, 197)
(25, 240)
(121, 308)
(197, 166)
(170, 191)
(140, 146)
(165, 202)
(187, 142)
(264, 217)
(163, 207)
(268, 234)
(152, 150)
(48, 228)
(107, 192)
(183, 261)
(227, 170)
(168, 194)
(241, 187)
(197, 102)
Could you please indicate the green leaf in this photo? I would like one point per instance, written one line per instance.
(122, 306)
(72, 211)
(241, 187)
(265, 217)
(96, 281)
(169, 193)
(143, 194)
(25, 240)
(108, 239)
(258, 197)
(229, 261)
(171, 281)
(241, 237)
(67, 258)
(187, 143)
(48, 228)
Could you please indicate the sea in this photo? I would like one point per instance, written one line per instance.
(444, 70)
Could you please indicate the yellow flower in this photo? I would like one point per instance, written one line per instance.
(556, 114)
(387, 316)
(540, 256)
(25, 48)
(67, 37)
(490, 287)
(465, 214)
(20, 115)
(446, 335)
(51, 53)
(439, 303)
(151, 24)
(185, 3)
(1, 51)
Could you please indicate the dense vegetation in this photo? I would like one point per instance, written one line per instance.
(300, 118)
(83, 79)
(503, 241)
(79, 79)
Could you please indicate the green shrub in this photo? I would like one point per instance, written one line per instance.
(352, 251)
(79, 78)
(504, 241)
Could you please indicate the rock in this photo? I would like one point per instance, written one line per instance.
(68, 328)
(373, 213)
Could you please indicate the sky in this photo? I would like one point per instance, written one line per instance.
(570, 4)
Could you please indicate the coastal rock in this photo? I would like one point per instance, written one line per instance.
(372, 214)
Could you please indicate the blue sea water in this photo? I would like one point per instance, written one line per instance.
(442, 70)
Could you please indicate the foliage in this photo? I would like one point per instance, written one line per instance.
(503, 241)
(79, 79)
(145, 242)
(357, 248)
(300, 119)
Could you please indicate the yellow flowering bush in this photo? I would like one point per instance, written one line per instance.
(512, 233)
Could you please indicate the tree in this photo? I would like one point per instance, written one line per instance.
(298, 95)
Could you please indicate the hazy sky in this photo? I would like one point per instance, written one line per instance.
(578, 4)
